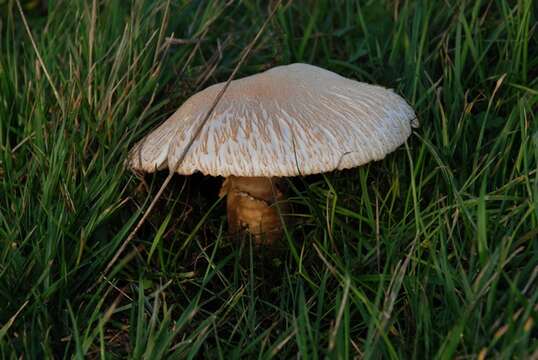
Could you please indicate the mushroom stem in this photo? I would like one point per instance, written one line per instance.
(253, 205)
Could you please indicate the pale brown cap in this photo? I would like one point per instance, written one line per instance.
(290, 120)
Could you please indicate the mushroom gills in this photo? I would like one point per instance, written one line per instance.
(255, 205)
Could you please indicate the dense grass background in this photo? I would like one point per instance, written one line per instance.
(431, 252)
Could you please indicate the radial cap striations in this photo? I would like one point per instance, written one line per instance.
(290, 120)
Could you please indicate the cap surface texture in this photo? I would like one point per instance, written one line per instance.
(290, 120)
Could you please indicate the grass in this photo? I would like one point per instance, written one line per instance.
(430, 253)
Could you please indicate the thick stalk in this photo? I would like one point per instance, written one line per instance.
(253, 205)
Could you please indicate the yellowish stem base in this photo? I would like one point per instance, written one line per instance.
(253, 205)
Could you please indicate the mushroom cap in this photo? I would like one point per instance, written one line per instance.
(290, 120)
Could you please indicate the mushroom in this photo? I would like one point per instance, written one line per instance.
(290, 120)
